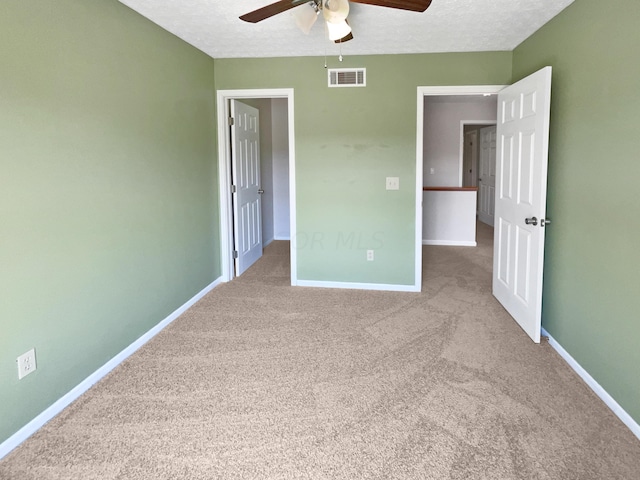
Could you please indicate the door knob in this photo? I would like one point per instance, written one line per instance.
(544, 222)
(260, 191)
(531, 221)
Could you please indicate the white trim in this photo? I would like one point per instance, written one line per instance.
(286, 238)
(453, 243)
(460, 90)
(595, 386)
(30, 428)
(224, 186)
(224, 174)
(358, 286)
(419, 191)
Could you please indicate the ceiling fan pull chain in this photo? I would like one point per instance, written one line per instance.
(325, 55)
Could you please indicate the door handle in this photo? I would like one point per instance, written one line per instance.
(260, 191)
(531, 221)
(544, 222)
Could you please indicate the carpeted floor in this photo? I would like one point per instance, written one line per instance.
(260, 380)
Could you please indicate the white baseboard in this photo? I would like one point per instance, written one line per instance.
(30, 428)
(453, 243)
(595, 386)
(358, 286)
(282, 237)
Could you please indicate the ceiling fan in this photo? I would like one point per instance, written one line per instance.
(334, 12)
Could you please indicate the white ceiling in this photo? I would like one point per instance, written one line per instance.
(213, 26)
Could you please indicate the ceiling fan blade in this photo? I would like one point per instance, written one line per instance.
(345, 39)
(412, 5)
(271, 10)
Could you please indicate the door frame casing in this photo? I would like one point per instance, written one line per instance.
(224, 173)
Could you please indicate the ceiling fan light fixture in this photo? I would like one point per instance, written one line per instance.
(335, 11)
(306, 16)
(338, 30)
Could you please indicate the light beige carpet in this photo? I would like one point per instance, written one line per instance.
(260, 380)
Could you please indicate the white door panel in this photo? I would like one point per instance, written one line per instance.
(245, 167)
(521, 192)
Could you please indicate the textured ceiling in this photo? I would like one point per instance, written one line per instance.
(213, 26)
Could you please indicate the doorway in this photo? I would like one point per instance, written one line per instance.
(523, 119)
(279, 189)
(450, 170)
(430, 175)
(478, 160)
(470, 150)
(470, 153)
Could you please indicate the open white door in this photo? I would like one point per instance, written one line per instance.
(245, 170)
(521, 198)
(487, 175)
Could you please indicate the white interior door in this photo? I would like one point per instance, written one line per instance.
(245, 168)
(487, 175)
(521, 197)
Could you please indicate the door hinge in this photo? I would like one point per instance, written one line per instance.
(235, 254)
(234, 189)
(231, 121)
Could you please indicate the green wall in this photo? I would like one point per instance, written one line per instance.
(591, 300)
(347, 141)
(108, 197)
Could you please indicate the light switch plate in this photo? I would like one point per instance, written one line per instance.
(393, 183)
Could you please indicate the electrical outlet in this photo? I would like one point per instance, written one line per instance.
(26, 363)
(369, 255)
(393, 183)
